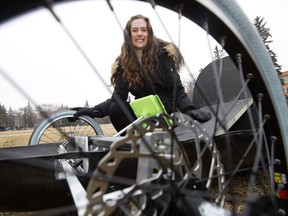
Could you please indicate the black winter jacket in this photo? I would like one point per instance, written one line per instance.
(163, 81)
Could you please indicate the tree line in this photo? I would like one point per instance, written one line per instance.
(30, 117)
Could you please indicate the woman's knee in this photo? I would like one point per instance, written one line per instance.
(120, 116)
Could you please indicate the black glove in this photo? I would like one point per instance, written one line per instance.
(199, 115)
(94, 112)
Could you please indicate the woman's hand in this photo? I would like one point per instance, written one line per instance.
(93, 112)
(199, 115)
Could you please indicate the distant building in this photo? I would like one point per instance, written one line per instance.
(284, 82)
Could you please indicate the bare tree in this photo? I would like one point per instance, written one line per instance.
(189, 85)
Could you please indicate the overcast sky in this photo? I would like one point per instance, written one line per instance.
(41, 59)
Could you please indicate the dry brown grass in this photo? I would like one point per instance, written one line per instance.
(15, 138)
(21, 137)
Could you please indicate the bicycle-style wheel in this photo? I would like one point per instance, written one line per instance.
(246, 141)
(219, 165)
(58, 127)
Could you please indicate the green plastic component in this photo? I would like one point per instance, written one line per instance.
(150, 105)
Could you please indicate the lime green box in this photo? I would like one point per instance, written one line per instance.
(150, 105)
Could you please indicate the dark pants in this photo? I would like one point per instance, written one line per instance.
(121, 116)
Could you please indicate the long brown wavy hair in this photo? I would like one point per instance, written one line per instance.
(132, 70)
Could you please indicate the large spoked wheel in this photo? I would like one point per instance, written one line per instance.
(241, 160)
(240, 154)
(58, 127)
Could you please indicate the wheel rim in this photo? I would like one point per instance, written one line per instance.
(59, 127)
(264, 82)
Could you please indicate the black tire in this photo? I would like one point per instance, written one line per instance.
(262, 125)
(267, 118)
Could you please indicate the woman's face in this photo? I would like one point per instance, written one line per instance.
(139, 33)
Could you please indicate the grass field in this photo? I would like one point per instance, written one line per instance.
(21, 137)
